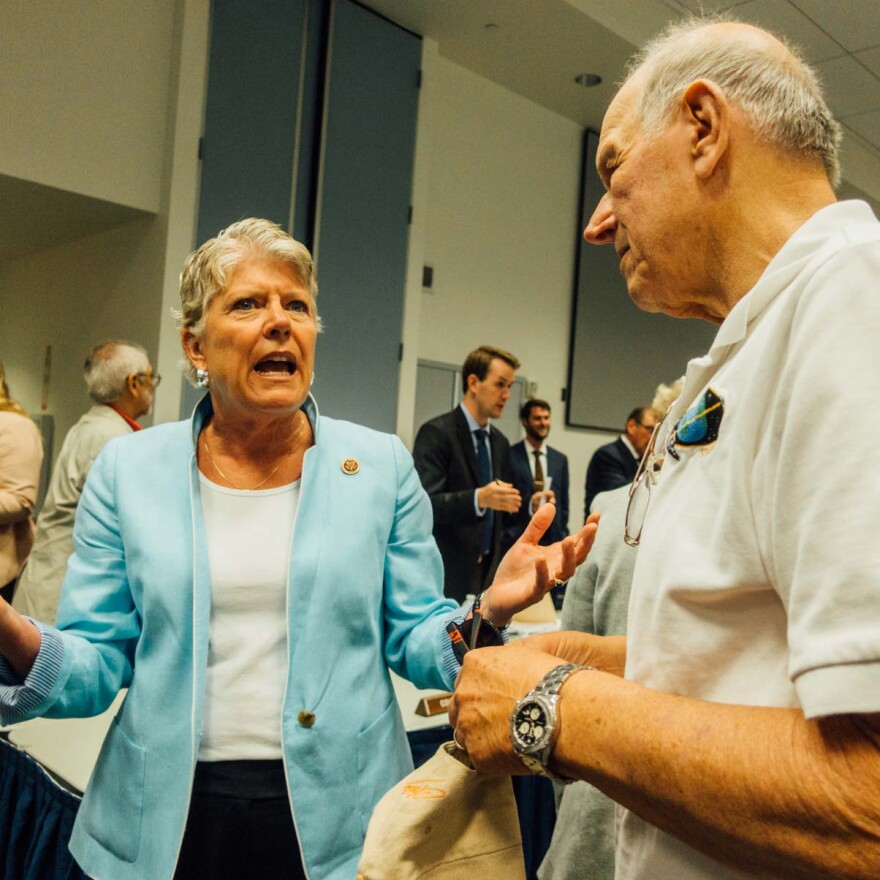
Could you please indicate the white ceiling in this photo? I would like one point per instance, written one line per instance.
(536, 50)
(537, 47)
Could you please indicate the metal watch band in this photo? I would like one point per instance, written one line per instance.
(547, 688)
(551, 683)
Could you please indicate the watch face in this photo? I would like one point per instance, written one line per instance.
(530, 724)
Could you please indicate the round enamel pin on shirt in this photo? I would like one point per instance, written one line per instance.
(350, 466)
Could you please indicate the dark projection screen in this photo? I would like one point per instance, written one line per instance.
(618, 354)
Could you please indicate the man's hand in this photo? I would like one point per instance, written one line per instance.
(529, 570)
(499, 495)
(607, 653)
(539, 498)
(490, 683)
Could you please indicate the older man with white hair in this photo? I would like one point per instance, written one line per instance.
(737, 724)
(121, 382)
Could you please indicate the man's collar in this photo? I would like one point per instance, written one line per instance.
(473, 425)
(630, 447)
(128, 419)
(787, 264)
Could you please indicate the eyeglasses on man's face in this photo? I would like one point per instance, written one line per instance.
(155, 378)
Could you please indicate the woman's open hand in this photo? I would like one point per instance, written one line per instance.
(529, 570)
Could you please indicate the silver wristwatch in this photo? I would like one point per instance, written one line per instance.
(534, 723)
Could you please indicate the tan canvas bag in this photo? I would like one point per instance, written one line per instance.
(445, 821)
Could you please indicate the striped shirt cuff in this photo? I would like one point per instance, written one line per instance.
(450, 663)
(19, 698)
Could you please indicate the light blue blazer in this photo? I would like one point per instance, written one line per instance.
(364, 594)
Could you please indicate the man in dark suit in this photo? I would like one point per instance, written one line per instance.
(463, 464)
(540, 473)
(615, 464)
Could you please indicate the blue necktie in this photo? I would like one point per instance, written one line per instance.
(485, 468)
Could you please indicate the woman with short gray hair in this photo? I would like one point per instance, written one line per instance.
(251, 575)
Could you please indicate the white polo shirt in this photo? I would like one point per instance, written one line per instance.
(758, 574)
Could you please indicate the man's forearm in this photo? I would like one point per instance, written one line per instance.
(763, 789)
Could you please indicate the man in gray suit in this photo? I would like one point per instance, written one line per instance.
(121, 382)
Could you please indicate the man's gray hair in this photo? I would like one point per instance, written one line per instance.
(207, 270)
(109, 365)
(779, 92)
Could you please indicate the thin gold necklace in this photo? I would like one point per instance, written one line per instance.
(235, 485)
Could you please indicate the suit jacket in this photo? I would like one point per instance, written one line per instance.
(611, 466)
(363, 596)
(521, 470)
(447, 466)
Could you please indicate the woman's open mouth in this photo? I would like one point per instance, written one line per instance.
(276, 365)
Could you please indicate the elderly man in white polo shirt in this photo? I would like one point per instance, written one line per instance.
(738, 724)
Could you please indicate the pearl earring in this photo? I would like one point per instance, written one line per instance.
(202, 378)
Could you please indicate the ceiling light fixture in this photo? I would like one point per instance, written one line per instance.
(588, 80)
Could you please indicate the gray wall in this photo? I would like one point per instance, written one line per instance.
(362, 228)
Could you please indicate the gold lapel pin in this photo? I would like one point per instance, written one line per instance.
(350, 466)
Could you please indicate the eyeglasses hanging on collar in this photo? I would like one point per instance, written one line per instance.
(640, 492)
(644, 480)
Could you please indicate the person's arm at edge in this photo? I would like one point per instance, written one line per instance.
(20, 465)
